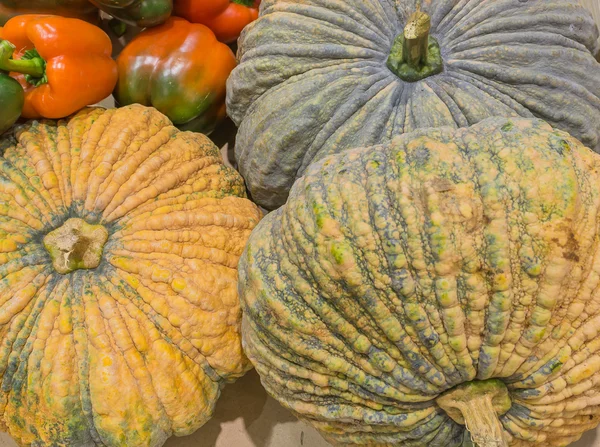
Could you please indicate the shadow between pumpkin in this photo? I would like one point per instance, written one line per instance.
(245, 399)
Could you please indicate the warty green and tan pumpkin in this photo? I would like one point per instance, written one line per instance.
(317, 77)
(119, 313)
(449, 277)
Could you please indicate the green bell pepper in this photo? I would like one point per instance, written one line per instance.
(81, 9)
(142, 13)
(12, 96)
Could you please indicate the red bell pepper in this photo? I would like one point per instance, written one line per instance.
(226, 18)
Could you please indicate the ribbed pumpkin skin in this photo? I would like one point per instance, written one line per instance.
(135, 350)
(313, 80)
(396, 272)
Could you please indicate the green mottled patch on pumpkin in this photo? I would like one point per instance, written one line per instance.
(320, 213)
(339, 251)
(559, 144)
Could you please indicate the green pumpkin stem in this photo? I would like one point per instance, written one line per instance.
(32, 65)
(415, 54)
(477, 405)
(76, 245)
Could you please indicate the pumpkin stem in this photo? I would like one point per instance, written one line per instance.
(31, 64)
(416, 39)
(415, 54)
(477, 405)
(76, 245)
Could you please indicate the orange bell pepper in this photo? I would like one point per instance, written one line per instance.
(226, 18)
(63, 64)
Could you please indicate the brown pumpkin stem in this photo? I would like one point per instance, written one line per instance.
(477, 405)
(415, 55)
(76, 245)
(416, 39)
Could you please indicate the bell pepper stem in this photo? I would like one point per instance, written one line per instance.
(246, 3)
(34, 67)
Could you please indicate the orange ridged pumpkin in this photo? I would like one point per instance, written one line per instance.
(119, 314)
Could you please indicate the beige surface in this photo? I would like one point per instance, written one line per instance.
(594, 7)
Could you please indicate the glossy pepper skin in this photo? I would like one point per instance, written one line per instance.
(227, 18)
(81, 9)
(12, 99)
(12, 96)
(63, 64)
(142, 13)
(180, 69)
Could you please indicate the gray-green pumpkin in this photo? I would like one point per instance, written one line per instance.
(450, 277)
(315, 77)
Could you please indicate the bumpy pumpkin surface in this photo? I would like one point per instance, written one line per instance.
(119, 313)
(313, 77)
(447, 265)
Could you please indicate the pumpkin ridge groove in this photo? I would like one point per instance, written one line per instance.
(134, 193)
(455, 16)
(512, 106)
(517, 22)
(386, 335)
(81, 288)
(338, 333)
(343, 213)
(15, 335)
(428, 215)
(31, 174)
(22, 336)
(389, 175)
(122, 161)
(445, 97)
(405, 300)
(22, 182)
(50, 150)
(312, 21)
(81, 162)
(163, 325)
(353, 105)
(159, 405)
(158, 327)
(12, 382)
(400, 126)
(347, 312)
(110, 330)
(338, 8)
(551, 42)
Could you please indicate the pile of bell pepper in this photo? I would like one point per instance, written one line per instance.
(56, 59)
